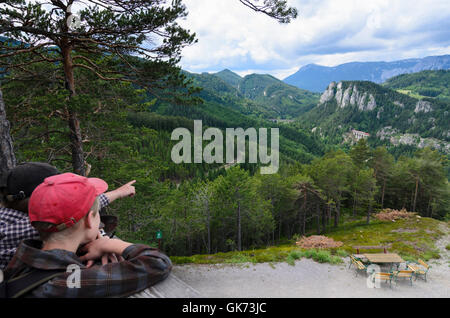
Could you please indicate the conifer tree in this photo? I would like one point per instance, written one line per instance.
(138, 42)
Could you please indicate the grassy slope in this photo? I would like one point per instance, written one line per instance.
(411, 246)
(428, 84)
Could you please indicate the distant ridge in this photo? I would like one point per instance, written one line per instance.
(229, 77)
(260, 95)
(316, 78)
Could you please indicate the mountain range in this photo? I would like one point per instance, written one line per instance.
(316, 78)
(407, 111)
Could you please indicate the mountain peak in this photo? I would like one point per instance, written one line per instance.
(227, 71)
(316, 78)
(229, 77)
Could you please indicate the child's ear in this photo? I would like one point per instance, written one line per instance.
(89, 219)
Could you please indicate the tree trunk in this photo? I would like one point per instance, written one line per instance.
(318, 218)
(7, 157)
(324, 220)
(76, 145)
(328, 211)
(209, 229)
(429, 206)
(383, 193)
(280, 221)
(239, 228)
(415, 195)
(337, 214)
(76, 141)
(304, 224)
(302, 213)
(369, 212)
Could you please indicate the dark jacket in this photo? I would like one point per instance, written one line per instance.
(142, 268)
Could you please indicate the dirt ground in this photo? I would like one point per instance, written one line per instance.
(310, 279)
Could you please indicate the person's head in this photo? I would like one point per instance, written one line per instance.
(65, 206)
(18, 184)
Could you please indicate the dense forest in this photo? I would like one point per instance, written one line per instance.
(84, 102)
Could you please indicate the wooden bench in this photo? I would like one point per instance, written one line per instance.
(387, 277)
(370, 248)
(353, 261)
(359, 266)
(420, 270)
(404, 274)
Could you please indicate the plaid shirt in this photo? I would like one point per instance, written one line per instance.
(15, 227)
(143, 267)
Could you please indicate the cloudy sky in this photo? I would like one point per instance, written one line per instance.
(327, 32)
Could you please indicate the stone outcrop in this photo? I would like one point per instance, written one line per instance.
(423, 107)
(401, 105)
(397, 139)
(328, 94)
(351, 96)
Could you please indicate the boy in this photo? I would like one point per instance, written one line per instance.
(65, 211)
(15, 190)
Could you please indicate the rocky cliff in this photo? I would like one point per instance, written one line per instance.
(387, 115)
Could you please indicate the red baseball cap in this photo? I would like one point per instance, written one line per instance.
(64, 200)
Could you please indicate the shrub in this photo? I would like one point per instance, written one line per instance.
(293, 256)
(341, 253)
(322, 257)
(239, 259)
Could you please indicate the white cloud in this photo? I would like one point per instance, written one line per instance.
(327, 32)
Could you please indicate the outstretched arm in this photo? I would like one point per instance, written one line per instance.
(124, 191)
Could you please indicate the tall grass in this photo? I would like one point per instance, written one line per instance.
(320, 256)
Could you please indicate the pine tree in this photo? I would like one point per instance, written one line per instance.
(112, 31)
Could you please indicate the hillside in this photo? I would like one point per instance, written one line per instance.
(262, 96)
(426, 84)
(316, 78)
(229, 77)
(384, 113)
(222, 111)
(283, 100)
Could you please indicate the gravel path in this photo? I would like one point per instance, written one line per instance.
(308, 279)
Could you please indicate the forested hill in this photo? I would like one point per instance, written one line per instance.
(387, 115)
(261, 95)
(225, 107)
(229, 77)
(431, 84)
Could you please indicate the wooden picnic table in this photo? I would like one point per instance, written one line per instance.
(384, 258)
